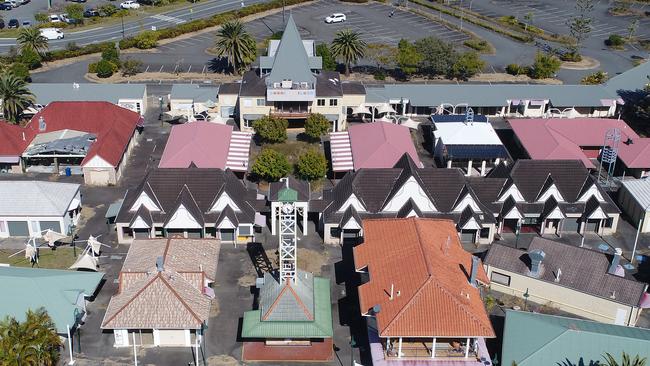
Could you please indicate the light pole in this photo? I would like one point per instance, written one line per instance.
(73, 227)
(638, 231)
(122, 19)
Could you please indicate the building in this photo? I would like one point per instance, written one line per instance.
(634, 200)
(371, 145)
(164, 297)
(90, 138)
(14, 143)
(129, 96)
(420, 295)
(460, 140)
(545, 197)
(558, 340)
(576, 280)
(189, 99)
(191, 202)
(30, 207)
(63, 294)
(583, 139)
(206, 145)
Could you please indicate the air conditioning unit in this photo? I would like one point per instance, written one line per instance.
(286, 84)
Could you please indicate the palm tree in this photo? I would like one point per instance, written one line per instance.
(32, 342)
(234, 42)
(348, 46)
(626, 361)
(31, 39)
(15, 96)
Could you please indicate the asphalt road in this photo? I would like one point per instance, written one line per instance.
(145, 21)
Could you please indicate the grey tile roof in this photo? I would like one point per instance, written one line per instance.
(639, 189)
(36, 198)
(229, 88)
(291, 61)
(583, 270)
(328, 84)
(294, 302)
(252, 85)
(353, 87)
(59, 92)
(633, 79)
(194, 92)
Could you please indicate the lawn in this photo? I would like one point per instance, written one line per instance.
(61, 258)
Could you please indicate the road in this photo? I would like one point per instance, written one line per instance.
(114, 32)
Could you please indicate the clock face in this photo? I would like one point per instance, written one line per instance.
(287, 208)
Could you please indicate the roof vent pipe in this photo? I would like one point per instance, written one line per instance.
(615, 261)
(159, 264)
(472, 276)
(536, 257)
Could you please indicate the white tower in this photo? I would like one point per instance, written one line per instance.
(288, 242)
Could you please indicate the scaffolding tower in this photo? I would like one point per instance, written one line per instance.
(608, 155)
(288, 242)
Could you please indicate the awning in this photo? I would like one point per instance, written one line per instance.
(385, 108)
(361, 109)
(537, 102)
(52, 236)
(252, 117)
(260, 220)
(10, 159)
(74, 204)
(210, 104)
(85, 261)
(332, 117)
(607, 102)
(341, 152)
(410, 123)
(114, 209)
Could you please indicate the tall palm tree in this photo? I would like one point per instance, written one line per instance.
(32, 342)
(347, 45)
(15, 96)
(32, 39)
(234, 42)
(627, 360)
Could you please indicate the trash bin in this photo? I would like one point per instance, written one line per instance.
(68, 172)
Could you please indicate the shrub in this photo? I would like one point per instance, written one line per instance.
(72, 46)
(514, 69)
(76, 12)
(329, 62)
(111, 54)
(311, 165)
(509, 19)
(477, 44)
(270, 165)
(571, 57)
(545, 66)
(41, 18)
(467, 65)
(379, 75)
(146, 40)
(615, 41)
(316, 125)
(20, 70)
(30, 58)
(271, 129)
(92, 67)
(107, 9)
(105, 69)
(596, 78)
(131, 67)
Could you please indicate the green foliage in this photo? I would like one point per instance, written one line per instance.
(131, 67)
(31, 39)
(615, 41)
(311, 165)
(41, 18)
(571, 56)
(277, 35)
(75, 11)
(30, 58)
(438, 57)
(20, 70)
(580, 24)
(31, 342)
(92, 67)
(105, 69)
(107, 9)
(379, 75)
(467, 65)
(111, 54)
(236, 44)
(146, 40)
(626, 360)
(382, 54)
(515, 69)
(316, 125)
(509, 19)
(329, 62)
(545, 66)
(408, 57)
(480, 45)
(349, 47)
(270, 165)
(271, 129)
(15, 96)
(490, 302)
(596, 78)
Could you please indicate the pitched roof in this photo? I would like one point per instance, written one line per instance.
(583, 269)
(424, 262)
(380, 145)
(46, 93)
(55, 290)
(205, 144)
(291, 61)
(300, 186)
(562, 138)
(560, 340)
(640, 191)
(13, 140)
(36, 198)
(290, 301)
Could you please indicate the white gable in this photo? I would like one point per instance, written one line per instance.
(555, 214)
(471, 225)
(551, 191)
(598, 214)
(592, 191)
(145, 200)
(412, 214)
(223, 201)
(354, 202)
(182, 219)
(351, 224)
(467, 201)
(513, 192)
(411, 189)
(226, 224)
(139, 223)
(513, 214)
(97, 162)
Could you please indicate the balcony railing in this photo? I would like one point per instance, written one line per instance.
(413, 350)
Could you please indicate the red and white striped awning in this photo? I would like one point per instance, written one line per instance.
(341, 152)
(239, 150)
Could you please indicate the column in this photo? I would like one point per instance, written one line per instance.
(274, 210)
(304, 219)
(399, 348)
(469, 168)
(449, 164)
(497, 161)
(483, 168)
(433, 348)
(467, 348)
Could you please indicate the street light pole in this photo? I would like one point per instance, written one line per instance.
(122, 18)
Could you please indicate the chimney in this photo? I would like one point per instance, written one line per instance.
(159, 264)
(536, 257)
(615, 261)
(472, 276)
(41, 124)
(376, 309)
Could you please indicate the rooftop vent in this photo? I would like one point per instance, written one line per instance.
(536, 257)
(41, 124)
(472, 276)
(159, 264)
(615, 261)
(75, 86)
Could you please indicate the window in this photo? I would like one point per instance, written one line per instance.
(261, 102)
(248, 123)
(485, 232)
(500, 278)
(335, 232)
(334, 102)
(320, 102)
(245, 230)
(158, 232)
(608, 222)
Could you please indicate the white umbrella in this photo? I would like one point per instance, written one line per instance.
(52, 236)
(410, 123)
(361, 109)
(85, 261)
(385, 108)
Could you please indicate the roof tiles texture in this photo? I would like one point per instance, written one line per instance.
(380, 145)
(36, 198)
(424, 263)
(203, 143)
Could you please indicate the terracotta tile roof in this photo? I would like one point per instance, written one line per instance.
(425, 262)
(13, 143)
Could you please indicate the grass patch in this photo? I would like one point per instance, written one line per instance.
(61, 258)
(292, 149)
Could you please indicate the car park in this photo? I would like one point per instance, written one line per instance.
(335, 18)
(5, 6)
(26, 24)
(54, 18)
(89, 13)
(12, 3)
(52, 33)
(13, 23)
(129, 5)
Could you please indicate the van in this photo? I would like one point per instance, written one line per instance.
(52, 33)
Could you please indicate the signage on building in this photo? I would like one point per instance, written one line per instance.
(290, 95)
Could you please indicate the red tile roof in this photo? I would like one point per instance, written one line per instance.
(426, 265)
(112, 124)
(13, 143)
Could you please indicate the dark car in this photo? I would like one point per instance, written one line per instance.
(89, 13)
(5, 6)
(13, 23)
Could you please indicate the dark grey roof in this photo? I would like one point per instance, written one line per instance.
(328, 84)
(291, 61)
(60, 92)
(229, 88)
(353, 87)
(300, 186)
(583, 270)
(633, 79)
(291, 301)
(228, 213)
(350, 213)
(252, 85)
(186, 200)
(194, 92)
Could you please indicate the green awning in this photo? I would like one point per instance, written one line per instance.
(320, 327)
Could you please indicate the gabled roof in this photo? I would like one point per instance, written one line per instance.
(203, 143)
(227, 213)
(380, 145)
(549, 206)
(583, 269)
(409, 207)
(548, 183)
(558, 340)
(55, 290)
(36, 198)
(186, 200)
(291, 61)
(290, 301)
(144, 214)
(13, 140)
(426, 265)
(532, 177)
(300, 186)
(350, 213)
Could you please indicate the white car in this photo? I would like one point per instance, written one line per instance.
(52, 33)
(336, 18)
(55, 18)
(129, 5)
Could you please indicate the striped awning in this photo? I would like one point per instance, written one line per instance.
(341, 152)
(239, 150)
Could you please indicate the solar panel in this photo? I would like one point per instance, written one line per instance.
(484, 152)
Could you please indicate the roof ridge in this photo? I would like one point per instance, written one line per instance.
(130, 300)
(47, 196)
(566, 330)
(178, 296)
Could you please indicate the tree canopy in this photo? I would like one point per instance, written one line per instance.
(15, 96)
(271, 129)
(270, 165)
(545, 66)
(236, 44)
(349, 47)
(31, 342)
(316, 125)
(311, 165)
(329, 62)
